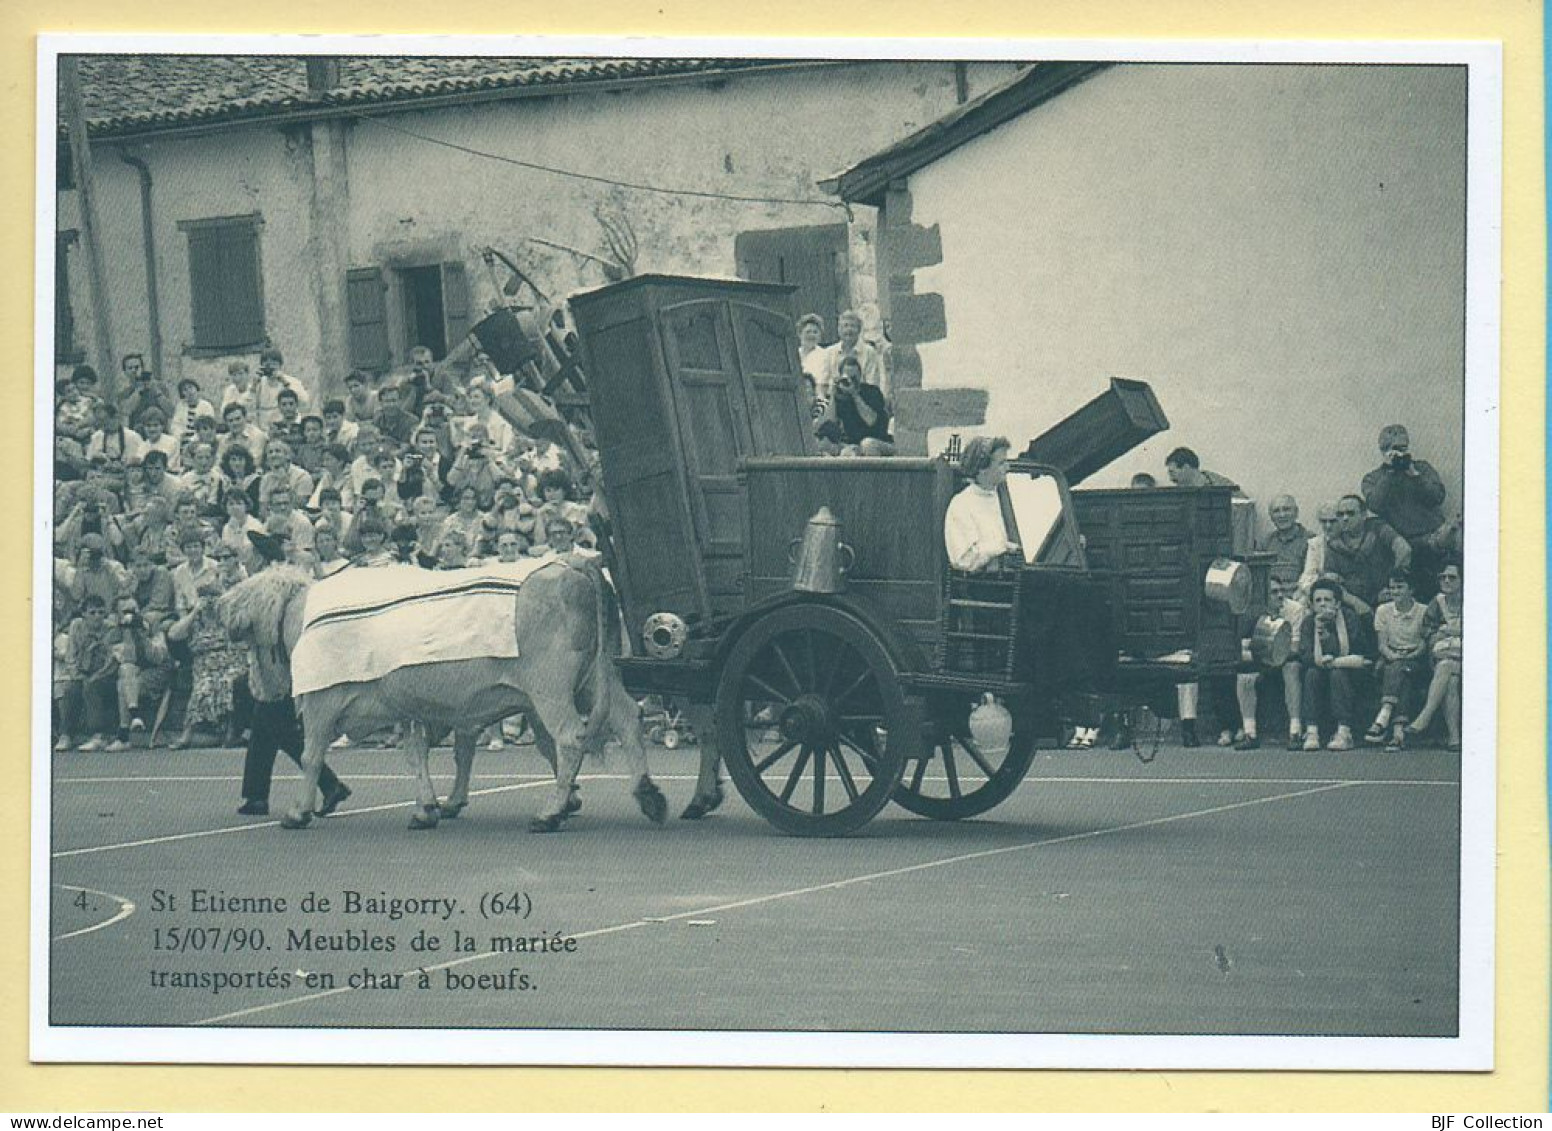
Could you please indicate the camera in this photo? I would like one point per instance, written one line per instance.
(475, 449)
(412, 459)
(1401, 460)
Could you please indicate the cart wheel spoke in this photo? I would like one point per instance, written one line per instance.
(819, 779)
(974, 751)
(852, 689)
(869, 757)
(784, 700)
(796, 775)
(775, 756)
(843, 771)
(786, 667)
(973, 780)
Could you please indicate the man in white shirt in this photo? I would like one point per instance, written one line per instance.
(241, 432)
(849, 326)
(266, 390)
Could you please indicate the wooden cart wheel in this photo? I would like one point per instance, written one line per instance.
(807, 701)
(955, 779)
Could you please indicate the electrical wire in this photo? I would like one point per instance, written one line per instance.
(572, 173)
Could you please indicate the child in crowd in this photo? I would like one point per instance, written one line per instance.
(155, 437)
(360, 402)
(190, 407)
(239, 388)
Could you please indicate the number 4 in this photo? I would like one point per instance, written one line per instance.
(79, 900)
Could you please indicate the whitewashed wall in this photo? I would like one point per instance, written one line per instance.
(753, 134)
(1278, 250)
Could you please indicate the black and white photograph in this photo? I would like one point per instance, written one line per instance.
(763, 552)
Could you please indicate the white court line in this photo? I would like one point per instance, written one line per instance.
(126, 909)
(834, 885)
(1029, 780)
(354, 812)
(279, 777)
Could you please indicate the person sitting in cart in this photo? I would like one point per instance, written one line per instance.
(861, 411)
(974, 531)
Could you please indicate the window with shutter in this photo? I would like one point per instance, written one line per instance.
(366, 295)
(226, 285)
(812, 259)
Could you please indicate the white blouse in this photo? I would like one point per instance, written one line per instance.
(973, 530)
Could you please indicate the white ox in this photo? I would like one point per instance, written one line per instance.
(562, 677)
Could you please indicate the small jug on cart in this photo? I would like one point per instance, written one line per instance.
(816, 556)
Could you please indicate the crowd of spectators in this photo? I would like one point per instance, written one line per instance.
(1373, 602)
(166, 498)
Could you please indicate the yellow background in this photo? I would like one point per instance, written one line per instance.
(1520, 1082)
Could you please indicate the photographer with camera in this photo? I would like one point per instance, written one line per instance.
(512, 514)
(144, 667)
(1408, 494)
(142, 392)
(421, 469)
(479, 465)
(860, 410)
(266, 390)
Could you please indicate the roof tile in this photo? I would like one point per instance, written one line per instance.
(134, 93)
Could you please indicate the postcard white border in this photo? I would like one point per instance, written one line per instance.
(1472, 1050)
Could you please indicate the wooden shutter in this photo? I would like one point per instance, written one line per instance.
(455, 304)
(225, 285)
(205, 288)
(243, 293)
(812, 259)
(366, 298)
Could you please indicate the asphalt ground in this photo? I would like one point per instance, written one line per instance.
(1210, 892)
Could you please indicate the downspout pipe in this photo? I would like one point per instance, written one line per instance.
(147, 237)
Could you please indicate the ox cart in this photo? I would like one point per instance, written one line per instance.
(809, 600)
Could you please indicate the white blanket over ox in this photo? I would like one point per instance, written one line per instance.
(361, 624)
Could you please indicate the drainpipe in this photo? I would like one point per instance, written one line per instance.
(148, 238)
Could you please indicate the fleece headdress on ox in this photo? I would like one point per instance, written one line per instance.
(255, 609)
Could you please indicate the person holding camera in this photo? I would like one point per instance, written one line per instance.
(1408, 494)
(143, 667)
(421, 468)
(143, 392)
(478, 466)
(511, 514)
(861, 411)
(266, 390)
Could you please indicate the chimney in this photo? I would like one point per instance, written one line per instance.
(323, 73)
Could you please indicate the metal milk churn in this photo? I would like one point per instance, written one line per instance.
(992, 727)
(816, 556)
